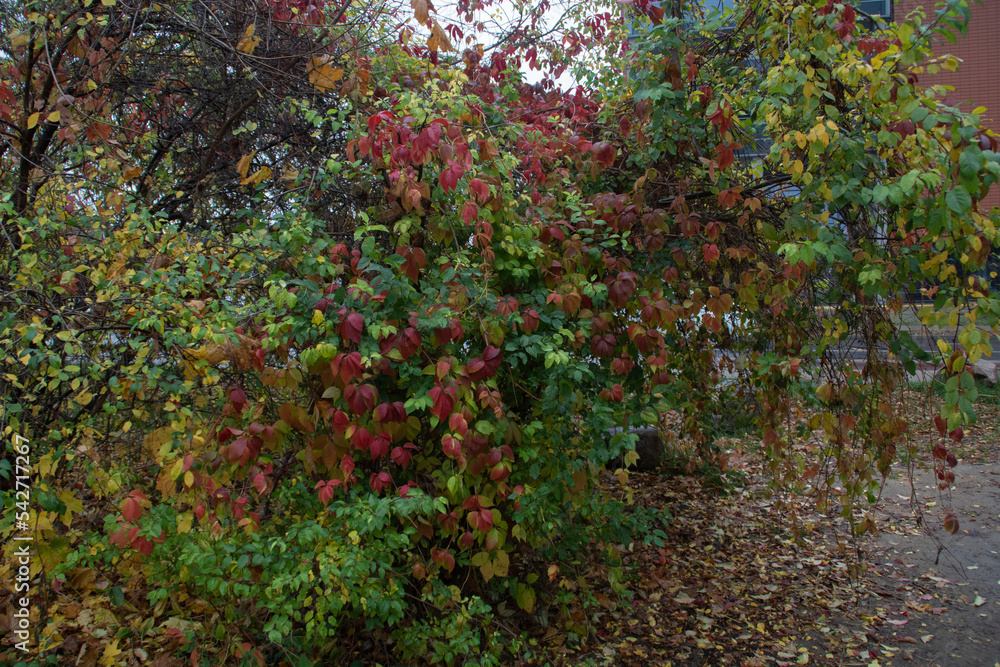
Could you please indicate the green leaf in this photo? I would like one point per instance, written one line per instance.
(959, 201)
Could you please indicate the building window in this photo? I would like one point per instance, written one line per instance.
(880, 8)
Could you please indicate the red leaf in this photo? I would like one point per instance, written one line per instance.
(346, 367)
(529, 320)
(326, 490)
(347, 465)
(362, 439)
(408, 342)
(340, 421)
(131, 509)
(238, 449)
(479, 189)
(476, 368)
(227, 433)
(142, 545)
(466, 540)
(379, 447)
(469, 212)
(603, 346)
(451, 446)
(375, 120)
(458, 424)
(260, 483)
(352, 326)
(379, 481)
(492, 356)
(414, 260)
(360, 398)
(604, 153)
(500, 472)
(444, 558)
(238, 397)
(443, 402)
(449, 177)
(622, 365)
(402, 456)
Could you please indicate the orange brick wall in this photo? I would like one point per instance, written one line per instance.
(977, 81)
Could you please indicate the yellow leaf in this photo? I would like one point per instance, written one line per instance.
(32, 120)
(111, 650)
(54, 117)
(84, 397)
(73, 504)
(184, 522)
(248, 42)
(438, 41)
(501, 564)
(317, 318)
(809, 89)
(322, 74)
(243, 166)
(258, 176)
(189, 479)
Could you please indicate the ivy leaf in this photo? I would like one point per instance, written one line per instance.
(352, 326)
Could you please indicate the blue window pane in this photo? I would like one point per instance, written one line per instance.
(876, 7)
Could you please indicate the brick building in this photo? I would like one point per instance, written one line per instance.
(977, 81)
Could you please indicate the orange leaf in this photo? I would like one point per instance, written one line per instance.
(322, 75)
(421, 10)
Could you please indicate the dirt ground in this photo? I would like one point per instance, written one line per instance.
(731, 586)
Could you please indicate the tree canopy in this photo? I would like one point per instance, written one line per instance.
(320, 317)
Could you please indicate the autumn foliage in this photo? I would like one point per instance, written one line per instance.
(326, 316)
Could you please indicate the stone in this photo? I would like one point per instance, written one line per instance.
(985, 372)
(649, 447)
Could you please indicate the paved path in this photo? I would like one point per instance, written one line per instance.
(942, 597)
